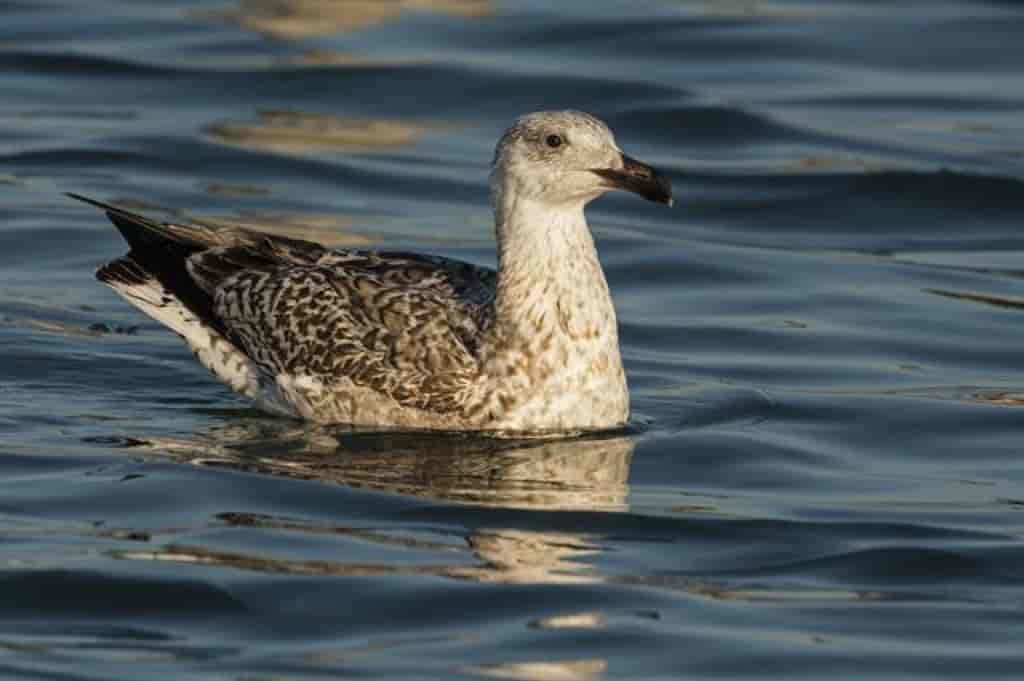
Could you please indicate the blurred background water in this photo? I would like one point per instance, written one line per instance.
(823, 341)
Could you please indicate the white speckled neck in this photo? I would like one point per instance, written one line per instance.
(546, 254)
(554, 314)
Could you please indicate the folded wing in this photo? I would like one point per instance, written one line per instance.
(404, 325)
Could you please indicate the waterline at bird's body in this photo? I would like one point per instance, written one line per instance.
(411, 341)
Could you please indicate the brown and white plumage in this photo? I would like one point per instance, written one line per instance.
(406, 340)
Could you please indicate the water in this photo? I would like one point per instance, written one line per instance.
(823, 342)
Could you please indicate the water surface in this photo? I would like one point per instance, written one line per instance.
(822, 339)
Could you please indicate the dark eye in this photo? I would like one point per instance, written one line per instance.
(554, 141)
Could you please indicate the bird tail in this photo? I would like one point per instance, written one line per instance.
(144, 233)
(154, 275)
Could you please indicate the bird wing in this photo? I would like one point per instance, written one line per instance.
(404, 325)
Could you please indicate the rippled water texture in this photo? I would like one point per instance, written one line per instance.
(823, 340)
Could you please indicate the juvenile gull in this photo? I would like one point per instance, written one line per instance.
(402, 340)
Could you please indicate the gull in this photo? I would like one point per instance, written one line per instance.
(391, 340)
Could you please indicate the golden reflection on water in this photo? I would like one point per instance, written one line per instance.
(583, 474)
(297, 19)
(577, 620)
(530, 557)
(298, 132)
(561, 670)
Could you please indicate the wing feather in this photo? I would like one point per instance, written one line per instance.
(406, 327)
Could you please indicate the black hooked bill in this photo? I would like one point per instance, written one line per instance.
(638, 178)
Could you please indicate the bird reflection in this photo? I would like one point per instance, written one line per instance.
(582, 474)
(298, 19)
(585, 473)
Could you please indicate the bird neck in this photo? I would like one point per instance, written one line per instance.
(548, 270)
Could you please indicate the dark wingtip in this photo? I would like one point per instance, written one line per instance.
(86, 199)
(110, 209)
(124, 270)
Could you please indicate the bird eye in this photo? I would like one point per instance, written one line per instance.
(554, 141)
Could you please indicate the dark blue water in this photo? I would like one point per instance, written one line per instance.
(823, 341)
